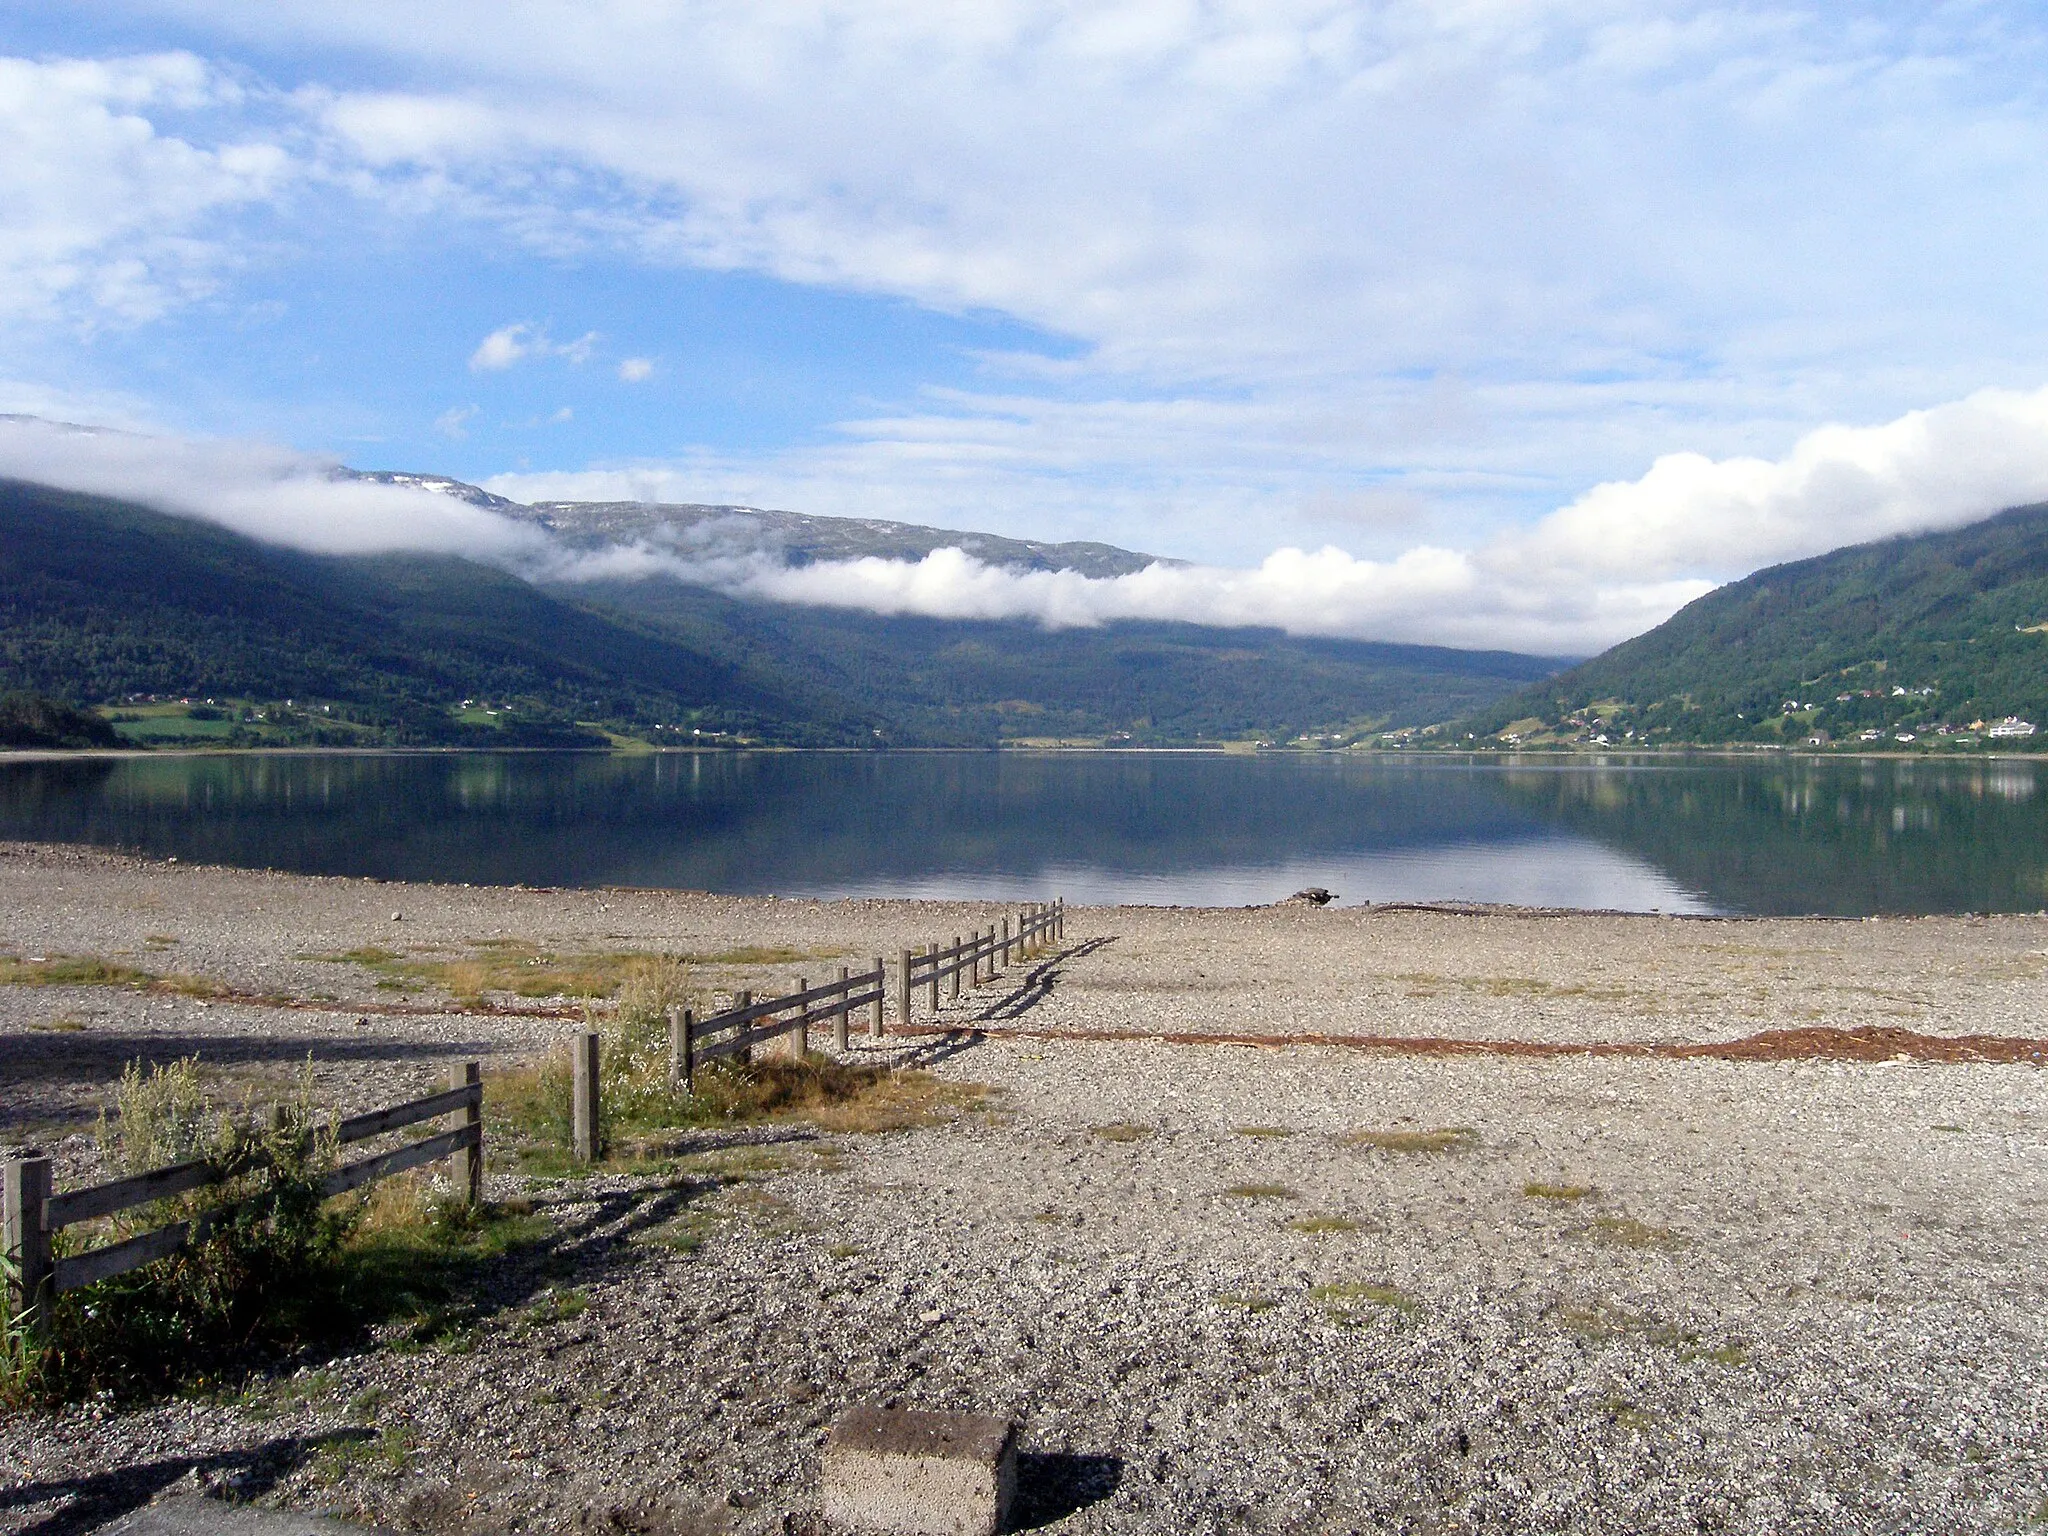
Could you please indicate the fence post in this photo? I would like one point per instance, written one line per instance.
(903, 991)
(682, 1029)
(27, 1191)
(1006, 943)
(839, 1019)
(745, 1055)
(953, 988)
(799, 1039)
(584, 1105)
(932, 949)
(471, 1075)
(881, 986)
(1059, 918)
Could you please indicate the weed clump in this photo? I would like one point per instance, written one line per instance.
(1536, 1189)
(1627, 1232)
(277, 1265)
(1447, 1139)
(1342, 1297)
(1261, 1192)
(250, 1280)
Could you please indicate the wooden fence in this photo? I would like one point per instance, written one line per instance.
(979, 956)
(736, 1031)
(35, 1214)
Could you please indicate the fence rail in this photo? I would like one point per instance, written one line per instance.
(35, 1213)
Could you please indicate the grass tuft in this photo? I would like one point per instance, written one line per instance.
(1536, 1189)
(97, 971)
(1122, 1130)
(1261, 1192)
(1627, 1232)
(1319, 1226)
(1342, 1297)
(1263, 1130)
(1447, 1139)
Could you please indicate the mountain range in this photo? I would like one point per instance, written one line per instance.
(189, 631)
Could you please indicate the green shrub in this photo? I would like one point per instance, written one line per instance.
(250, 1282)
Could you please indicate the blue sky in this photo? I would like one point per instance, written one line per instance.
(1400, 281)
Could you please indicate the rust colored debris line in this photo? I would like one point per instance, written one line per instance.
(1870, 1043)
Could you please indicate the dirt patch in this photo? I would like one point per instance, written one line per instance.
(1871, 1043)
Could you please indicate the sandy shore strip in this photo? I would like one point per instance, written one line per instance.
(1290, 1287)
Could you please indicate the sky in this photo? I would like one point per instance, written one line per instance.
(1481, 322)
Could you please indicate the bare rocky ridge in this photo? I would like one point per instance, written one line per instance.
(1624, 1294)
(797, 538)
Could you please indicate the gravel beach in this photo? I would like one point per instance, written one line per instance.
(1278, 1219)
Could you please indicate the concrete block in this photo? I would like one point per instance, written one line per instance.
(908, 1473)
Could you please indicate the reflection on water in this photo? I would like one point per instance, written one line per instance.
(1845, 836)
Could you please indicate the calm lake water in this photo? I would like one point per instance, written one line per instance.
(1845, 836)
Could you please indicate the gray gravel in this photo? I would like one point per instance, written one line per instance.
(1794, 1295)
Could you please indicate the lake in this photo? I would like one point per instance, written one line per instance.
(1738, 835)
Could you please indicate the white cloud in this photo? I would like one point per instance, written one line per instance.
(502, 348)
(634, 369)
(1464, 258)
(510, 344)
(102, 215)
(1615, 562)
(1556, 187)
(453, 423)
(267, 493)
(1611, 564)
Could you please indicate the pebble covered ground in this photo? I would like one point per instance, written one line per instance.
(1226, 1288)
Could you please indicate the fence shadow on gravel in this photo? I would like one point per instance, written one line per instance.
(1040, 981)
(94, 1499)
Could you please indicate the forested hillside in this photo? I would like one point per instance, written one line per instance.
(103, 602)
(1933, 636)
(100, 600)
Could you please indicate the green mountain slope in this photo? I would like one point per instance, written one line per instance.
(100, 599)
(951, 680)
(1928, 635)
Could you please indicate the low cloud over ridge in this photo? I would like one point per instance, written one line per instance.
(1615, 562)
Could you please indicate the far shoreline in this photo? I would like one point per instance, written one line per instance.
(1736, 751)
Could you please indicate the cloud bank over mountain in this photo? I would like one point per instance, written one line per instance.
(1376, 275)
(1616, 561)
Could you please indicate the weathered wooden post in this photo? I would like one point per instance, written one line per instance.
(1006, 942)
(471, 1075)
(27, 1240)
(953, 991)
(682, 1048)
(932, 949)
(799, 1039)
(583, 1109)
(881, 986)
(839, 1019)
(745, 1054)
(1059, 918)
